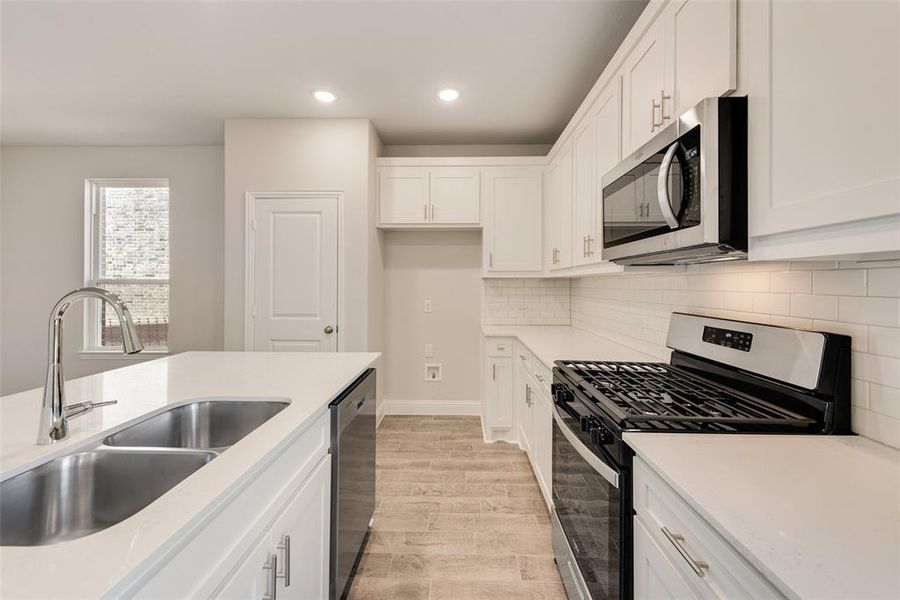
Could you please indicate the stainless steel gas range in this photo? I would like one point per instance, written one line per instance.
(723, 377)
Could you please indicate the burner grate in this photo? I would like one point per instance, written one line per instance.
(660, 396)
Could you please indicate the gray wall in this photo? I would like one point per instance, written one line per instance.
(43, 248)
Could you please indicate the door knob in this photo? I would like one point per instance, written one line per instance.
(329, 329)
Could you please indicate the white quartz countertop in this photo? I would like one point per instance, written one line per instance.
(88, 567)
(818, 516)
(559, 342)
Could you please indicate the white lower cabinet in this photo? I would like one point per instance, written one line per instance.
(677, 554)
(654, 574)
(498, 415)
(542, 442)
(224, 553)
(291, 558)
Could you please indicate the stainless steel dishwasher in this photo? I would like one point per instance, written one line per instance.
(352, 478)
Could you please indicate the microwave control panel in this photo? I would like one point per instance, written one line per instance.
(739, 340)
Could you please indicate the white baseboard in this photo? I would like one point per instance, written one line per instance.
(432, 407)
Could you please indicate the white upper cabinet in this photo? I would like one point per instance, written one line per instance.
(455, 196)
(702, 52)
(403, 195)
(429, 196)
(824, 127)
(559, 175)
(688, 53)
(643, 88)
(512, 220)
(584, 167)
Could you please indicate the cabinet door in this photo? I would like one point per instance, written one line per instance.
(301, 537)
(561, 210)
(824, 124)
(543, 441)
(252, 578)
(455, 195)
(702, 49)
(608, 116)
(654, 576)
(403, 195)
(513, 203)
(643, 81)
(584, 166)
(500, 393)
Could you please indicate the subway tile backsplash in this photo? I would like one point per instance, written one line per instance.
(526, 302)
(857, 299)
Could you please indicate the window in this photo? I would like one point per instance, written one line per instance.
(127, 253)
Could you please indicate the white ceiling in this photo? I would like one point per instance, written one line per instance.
(159, 73)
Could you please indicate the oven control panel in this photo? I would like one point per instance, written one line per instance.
(739, 340)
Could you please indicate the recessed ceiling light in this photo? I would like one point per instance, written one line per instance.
(448, 95)
(324, 96)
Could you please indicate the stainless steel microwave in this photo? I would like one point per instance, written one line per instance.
(682, 197)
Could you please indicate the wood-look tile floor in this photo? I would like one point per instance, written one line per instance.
(455, 518)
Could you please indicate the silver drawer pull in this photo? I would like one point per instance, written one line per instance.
(285, 545)
(271, 585)
(539, 378)
(677, 540)
(522, 356)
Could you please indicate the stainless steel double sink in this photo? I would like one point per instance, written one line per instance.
(89, 490)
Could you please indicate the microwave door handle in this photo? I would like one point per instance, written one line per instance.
(662, 188)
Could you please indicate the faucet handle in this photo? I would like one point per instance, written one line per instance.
(79, 408)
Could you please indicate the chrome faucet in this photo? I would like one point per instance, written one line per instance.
(55, 413)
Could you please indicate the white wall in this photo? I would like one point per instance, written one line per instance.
(43, 248)
(444, 267)
(861, 300)
(267, 155)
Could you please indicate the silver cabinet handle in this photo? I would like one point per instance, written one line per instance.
(494, 371)
(425, 206)
(271, 566)
(285, 546)
(490, 259)
(653, 107)
(539, 378)
(678, 541)
(432, 213)
(522, 357)
(662, 107)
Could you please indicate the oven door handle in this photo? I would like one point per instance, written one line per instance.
(662, 188)
(605, 471)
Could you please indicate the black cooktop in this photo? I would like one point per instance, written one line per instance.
(663, 397)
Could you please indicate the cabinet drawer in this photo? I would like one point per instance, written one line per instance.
(687, 540)
(536, 370)
(499, 347)
(198, 564)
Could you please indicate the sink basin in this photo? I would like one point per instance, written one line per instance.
(79, 494)
(207, 424)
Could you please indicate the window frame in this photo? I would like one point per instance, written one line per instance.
(90, 347)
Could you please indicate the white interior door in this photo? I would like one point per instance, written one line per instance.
(294, 283)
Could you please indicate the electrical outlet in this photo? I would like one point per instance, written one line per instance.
(428, 306)
(429, 350)
(432, 371)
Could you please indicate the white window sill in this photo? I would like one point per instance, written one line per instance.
(114, 354)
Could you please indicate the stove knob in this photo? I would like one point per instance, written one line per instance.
(563, 395)
(601, 436)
